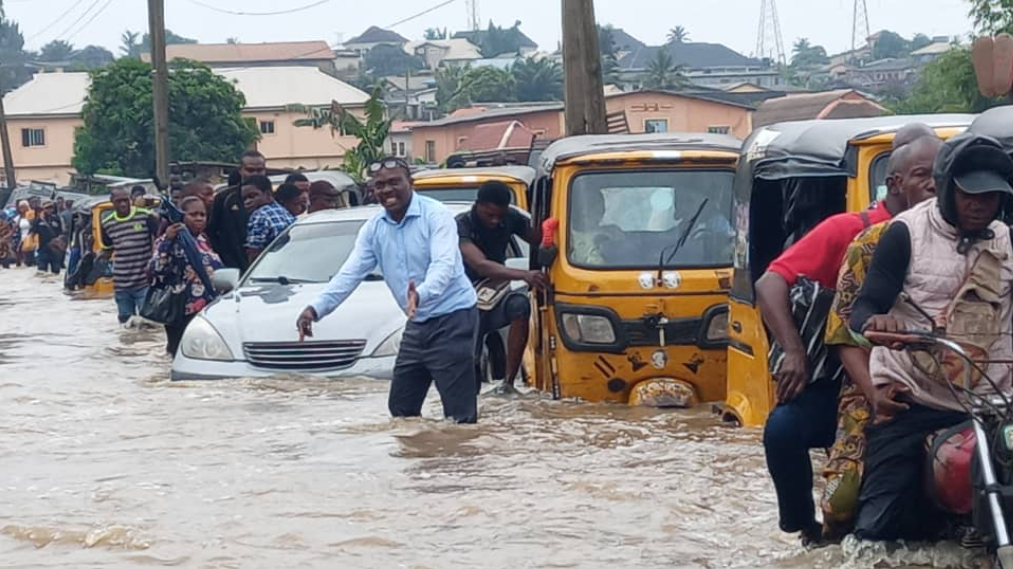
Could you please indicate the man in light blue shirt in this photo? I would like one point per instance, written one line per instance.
(415, 243)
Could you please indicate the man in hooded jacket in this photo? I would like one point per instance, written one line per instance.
(945, 263)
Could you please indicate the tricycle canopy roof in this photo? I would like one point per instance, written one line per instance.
(519, 173)
(821, 147)
(576, 146)
(997, 123)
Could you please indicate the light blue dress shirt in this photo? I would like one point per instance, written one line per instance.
(423, 248)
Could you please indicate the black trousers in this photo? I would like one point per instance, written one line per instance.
(174, 334)
(440, 349)
(893, 503)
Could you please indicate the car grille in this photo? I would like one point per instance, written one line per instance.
(299, 356)
(679, 332)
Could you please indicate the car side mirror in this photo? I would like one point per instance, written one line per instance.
(225, 280)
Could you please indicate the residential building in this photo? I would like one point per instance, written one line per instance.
(373, 37)
(939, 46)
(705, 64)
(624, 42)
(645, 111)
(399, 140)
(840, 104)
(436, 53)
(276, 54)
(877, 74)
(527, 45)
(44, 113)
(412, 97)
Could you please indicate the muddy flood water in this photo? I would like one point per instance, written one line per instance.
(105, 463)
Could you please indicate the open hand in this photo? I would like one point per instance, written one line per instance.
(413, 300)
(305, 323)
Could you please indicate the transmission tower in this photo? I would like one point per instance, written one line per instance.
(860, 26)
(473, 20)
(769, 41)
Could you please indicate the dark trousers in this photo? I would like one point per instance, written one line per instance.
(174, 333)
(792, 429)
(440, 349)
(48, 261)
(893, 503)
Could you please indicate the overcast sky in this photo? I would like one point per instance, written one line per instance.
(731, 22)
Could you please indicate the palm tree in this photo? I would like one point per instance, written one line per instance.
(451, 88)
(678, 34)
(538, 79)
(663, 73)
(129, 44)
(56, 51)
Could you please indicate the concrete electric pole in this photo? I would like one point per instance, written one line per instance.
(585, 90)
(160, 89)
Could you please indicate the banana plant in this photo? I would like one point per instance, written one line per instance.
(370, 131)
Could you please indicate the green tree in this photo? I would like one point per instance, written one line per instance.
(663, 73)
(371, 131)
(919, 41)
(13, 71)
(947, 85)
(436, 34)
(609, 54)
(807, 56)
(385, 60)
(56, 51)
(538, 80)
(171, 38)
(489, 85)
(129, 44)
(890, 45)
(678, 34)
(499, 41)
(91, 57)
(992, 16)
(451, 89)
(205, 120)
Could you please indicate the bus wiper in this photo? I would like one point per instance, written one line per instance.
(662, 260)
(281, 279)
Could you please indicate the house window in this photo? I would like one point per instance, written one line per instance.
(33, 137)
(430, 151)
(401, 150)
(655, 125)
(266, 127)
(719, 129)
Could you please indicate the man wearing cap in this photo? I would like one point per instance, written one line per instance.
(323, 195)
(414, 241)
(947, 262)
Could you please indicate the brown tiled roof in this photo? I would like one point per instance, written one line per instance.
(808, 106)
(509, 134)
(248, 52)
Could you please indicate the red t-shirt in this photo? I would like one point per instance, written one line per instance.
(818, 255)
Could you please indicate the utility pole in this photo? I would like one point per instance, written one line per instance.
(5, 141)
(585, 89)
(160, 88)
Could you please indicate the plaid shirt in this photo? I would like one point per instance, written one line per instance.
(266, 224)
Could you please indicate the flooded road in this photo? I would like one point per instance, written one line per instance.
(105, 463)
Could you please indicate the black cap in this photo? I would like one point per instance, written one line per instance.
(983, 168)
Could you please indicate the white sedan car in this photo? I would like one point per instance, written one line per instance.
(250, 330)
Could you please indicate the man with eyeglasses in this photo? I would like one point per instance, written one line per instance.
(414, 241)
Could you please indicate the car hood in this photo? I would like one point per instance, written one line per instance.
(268, 312)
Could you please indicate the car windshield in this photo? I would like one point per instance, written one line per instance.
(453, 194)
(307, 253)
(632, 219)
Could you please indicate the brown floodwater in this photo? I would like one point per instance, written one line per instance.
(105, 463)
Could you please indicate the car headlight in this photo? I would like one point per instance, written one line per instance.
(391, 346)
(589, 328)
(202, 342)
(717, 328)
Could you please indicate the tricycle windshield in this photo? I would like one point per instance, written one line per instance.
(636, 219)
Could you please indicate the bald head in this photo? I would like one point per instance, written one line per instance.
(909, 173)
(917, 148)
(911, 132)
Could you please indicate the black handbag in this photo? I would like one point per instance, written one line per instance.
(163, 306)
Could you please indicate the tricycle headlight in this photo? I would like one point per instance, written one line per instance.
(391, 346)
(202, 342)
(589, 328)
(717, 328)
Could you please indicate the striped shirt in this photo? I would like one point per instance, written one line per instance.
(130, 239)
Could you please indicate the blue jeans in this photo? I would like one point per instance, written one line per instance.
(129, 303)
(808, 422)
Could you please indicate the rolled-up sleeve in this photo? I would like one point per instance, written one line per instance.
(359, 264)
(444, 255)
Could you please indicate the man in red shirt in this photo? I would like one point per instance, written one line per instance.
(806, 413)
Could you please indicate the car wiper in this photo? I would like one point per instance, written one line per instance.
(373, 277)
(281, 279)
(662, 260)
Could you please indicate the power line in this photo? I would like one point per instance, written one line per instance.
(275, 13)
(90, 20)
(422, 13)
(78, 21)
(54, 22)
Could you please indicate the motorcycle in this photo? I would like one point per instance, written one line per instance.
(971, 466)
